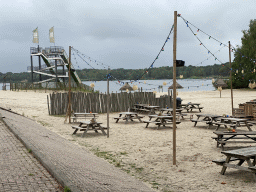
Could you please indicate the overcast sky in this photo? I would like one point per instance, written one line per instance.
(121, 33)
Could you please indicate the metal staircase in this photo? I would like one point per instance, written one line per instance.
(54, 57)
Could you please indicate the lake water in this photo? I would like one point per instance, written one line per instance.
(150, 85)
(153, 85)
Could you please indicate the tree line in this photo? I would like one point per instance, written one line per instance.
(187, 72)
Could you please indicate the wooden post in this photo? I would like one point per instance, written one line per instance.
(68, 114)
(168, 99)
(230, 65)
(174, 87)
(108, 104)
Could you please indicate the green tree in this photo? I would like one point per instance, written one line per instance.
(244, 63)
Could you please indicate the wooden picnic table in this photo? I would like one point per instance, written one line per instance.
(224, 137)
(170, 112)
(128, 116)
(140, 108)
(160, 120)
(77, 116)
(152, 109)
(233, 122)
(191, 106)
(241, 155)
(89, 125)
(206, 118)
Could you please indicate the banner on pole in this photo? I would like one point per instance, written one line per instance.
(51, 35)
(35, 36)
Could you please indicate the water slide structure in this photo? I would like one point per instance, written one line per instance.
(55, 59)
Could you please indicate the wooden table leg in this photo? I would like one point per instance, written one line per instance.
(138, 118)
(74, 132)
(250, 165)
(85, 131)
(254, 161)
(104, 133)
(224, 167)
(241, 161)
(248, 126)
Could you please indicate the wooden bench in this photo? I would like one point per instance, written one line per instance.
(191, 108)
(143, 110)
(219, 124)
(222, 143)
(83, 117)
(159, 123)
(85, 129)
(234, 125)
(78, 128)
(216, 138)
(134, 109)
(196, 121)
(222, 161)
(253, 169)
(118, 118)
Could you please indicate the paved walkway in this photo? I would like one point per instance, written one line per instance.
(20, 171)
(70, 164)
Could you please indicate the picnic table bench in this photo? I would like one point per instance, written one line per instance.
(89, 125)
(241, 155)
(170, 112)
(151, 109)
(76, 116)
(140, 108)
(233, 122)
(206, 118)
(160, 120)
(128, 116)
(224, 137)
(191, 106)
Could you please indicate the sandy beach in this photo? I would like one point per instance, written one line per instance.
(146, 153)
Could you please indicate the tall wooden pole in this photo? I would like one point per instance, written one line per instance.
(230, 65)
(69, 85)
(108, 105)
(174, 87)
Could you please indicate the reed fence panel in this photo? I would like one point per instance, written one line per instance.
(95, 102)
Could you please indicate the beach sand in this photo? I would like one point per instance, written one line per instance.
(147, 153)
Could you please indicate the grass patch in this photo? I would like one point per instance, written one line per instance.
(118, 164)
(123, 153)
(155, 184)
(67, 189)
(108, 156)
(29, 150)
(139, 169)
(30, 174)
(34, 116)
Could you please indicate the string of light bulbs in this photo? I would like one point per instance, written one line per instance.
(201, 43)
(162, 49)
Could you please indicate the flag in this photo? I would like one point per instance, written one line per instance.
(51, 35)
(35, 36)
